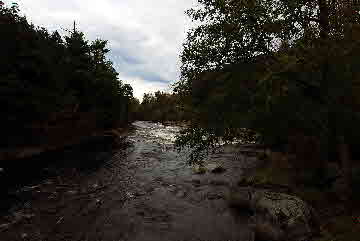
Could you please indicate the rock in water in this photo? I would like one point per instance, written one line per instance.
(215, 168)
(276, 216)
(218, 169)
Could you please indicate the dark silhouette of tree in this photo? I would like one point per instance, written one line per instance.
(46, 78)
(277, 68)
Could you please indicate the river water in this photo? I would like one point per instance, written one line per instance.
(144, 192)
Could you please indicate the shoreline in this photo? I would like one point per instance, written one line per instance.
(28, 151)
(337, 215)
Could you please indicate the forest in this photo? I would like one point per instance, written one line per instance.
(55, 87)
(159, 107)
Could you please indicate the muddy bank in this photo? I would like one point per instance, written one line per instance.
(142, 191)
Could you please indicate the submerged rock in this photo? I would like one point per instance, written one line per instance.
(276, 216)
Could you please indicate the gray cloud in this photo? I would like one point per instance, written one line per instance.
(144, 36)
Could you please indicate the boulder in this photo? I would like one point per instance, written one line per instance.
(276, 216)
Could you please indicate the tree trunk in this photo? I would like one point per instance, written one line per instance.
(324, 19)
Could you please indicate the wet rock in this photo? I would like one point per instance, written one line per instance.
(218, 169)
(215, 168)
(276, 216)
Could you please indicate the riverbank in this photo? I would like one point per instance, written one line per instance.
(337, 212)
(67, 134)
(37, 191)
(27, 164)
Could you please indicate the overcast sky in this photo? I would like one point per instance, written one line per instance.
(145, 36)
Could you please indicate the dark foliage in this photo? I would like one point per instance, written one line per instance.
(286, 70)
(47, 80)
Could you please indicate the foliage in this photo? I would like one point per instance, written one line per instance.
(161, 107)
(45, 78)
(273, 67)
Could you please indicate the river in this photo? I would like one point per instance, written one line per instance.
(144, 192)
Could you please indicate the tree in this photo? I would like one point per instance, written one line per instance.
(160, 107)
(46, 78)
(247, 64)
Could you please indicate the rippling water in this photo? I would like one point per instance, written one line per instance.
(175, 202)
(146, 192)
(157, 131)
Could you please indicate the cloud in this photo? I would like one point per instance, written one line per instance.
(145, 37)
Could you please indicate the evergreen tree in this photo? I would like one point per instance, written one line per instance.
(45, 77)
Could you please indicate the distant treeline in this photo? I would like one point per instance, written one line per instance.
(47, 80)
(160, 106)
